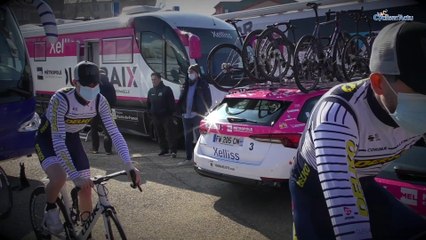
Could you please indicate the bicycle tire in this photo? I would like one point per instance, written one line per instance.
(337, 56)
(274, 53)
(248, 54)
(355, 58)
(110, 215)
(307, 69)
(225, 67)
(37, 205)
(6, 197)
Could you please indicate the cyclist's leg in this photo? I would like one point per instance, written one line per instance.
(390, 219)
(49, 163)
(81, 162)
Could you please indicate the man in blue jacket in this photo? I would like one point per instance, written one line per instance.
(195, 101)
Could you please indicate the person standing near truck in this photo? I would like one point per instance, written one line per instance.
(161, 106)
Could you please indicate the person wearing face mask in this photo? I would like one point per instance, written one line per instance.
(354, 131)
(58, 144)
(194, 102)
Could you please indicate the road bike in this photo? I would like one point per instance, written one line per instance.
(6, 198)
(233, 65)
(318, 59)
(74, 227)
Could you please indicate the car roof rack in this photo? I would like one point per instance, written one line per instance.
(270, 85)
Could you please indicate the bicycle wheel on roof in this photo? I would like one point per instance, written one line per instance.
(274, 53)
(307, 67)
(356, 58)
(248, 54)
(226, 67)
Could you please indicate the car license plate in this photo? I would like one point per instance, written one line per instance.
(228, 140)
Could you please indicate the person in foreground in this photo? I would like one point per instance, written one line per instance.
(58, 144)
(353, 132)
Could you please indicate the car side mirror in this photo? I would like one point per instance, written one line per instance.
(194, 46)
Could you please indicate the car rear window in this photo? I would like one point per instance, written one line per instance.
(250, 111)
(306, 110)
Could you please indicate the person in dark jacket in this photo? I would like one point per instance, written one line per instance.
(194, 102)
(108, 91)
(161, 106)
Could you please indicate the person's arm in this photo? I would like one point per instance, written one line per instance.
(148, 101)
(58, 107)
(335, 135)
(207, 94)
(170, 100)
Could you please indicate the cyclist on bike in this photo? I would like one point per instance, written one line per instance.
(354, 131)
(58, 144)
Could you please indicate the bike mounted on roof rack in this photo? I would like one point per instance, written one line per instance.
(271, 85)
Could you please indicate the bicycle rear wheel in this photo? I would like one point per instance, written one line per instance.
(115, 230)
(6, 198)
(226, 67)
(248, 53)
(307, 68)
(355, 59)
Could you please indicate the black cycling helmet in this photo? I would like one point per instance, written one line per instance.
(87, 73)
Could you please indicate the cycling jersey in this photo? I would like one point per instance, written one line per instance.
(66, 115)
(347, 141)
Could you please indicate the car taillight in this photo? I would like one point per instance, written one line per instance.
(290, 140)
(203, 128)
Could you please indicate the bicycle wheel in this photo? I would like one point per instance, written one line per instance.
(274, 54)
(115, 230)
(225, 67)
(307, 68)
(248, 54)
(6, 198)
(37, 205)
(355, 58)
(337, 56)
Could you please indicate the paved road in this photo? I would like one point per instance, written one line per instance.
(176, 203)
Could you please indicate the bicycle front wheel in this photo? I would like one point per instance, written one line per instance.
(226, 67)
(38, 201)
(37, 205)
(307, 68)
(6, 198)
(113, 226)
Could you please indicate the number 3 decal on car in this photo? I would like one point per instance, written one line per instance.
(251, 146)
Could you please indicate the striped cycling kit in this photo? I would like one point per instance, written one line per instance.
(347, 141)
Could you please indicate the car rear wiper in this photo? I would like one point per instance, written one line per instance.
(235, 119)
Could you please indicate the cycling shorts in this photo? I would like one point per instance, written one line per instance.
(46, 153)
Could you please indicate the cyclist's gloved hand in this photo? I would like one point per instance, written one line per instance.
(83, 183)
(137, 179)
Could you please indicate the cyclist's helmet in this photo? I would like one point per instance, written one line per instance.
(400, 50)
(87, 73)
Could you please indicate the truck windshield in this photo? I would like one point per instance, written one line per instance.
(15, 81)
(209, 39)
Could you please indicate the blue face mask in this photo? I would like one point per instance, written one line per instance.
(410, 112)
(89, 93)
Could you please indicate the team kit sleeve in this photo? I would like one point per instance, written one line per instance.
(335, 135)
(116, 137)
(58, 107)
